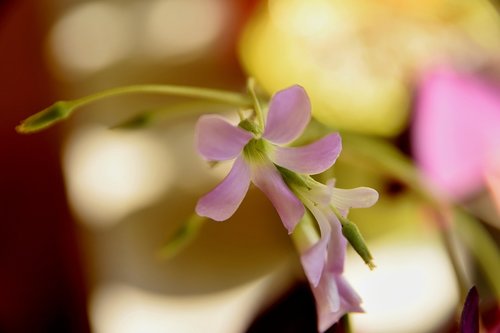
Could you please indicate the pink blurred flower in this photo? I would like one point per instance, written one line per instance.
(456, 133)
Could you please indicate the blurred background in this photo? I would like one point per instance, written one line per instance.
(85, 208)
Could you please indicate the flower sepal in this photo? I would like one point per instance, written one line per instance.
(353, 235)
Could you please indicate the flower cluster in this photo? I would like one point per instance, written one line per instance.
(283, 174)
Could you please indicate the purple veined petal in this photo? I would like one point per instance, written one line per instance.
(359, 197)
(319, 193)
(328, 302)
(348, 300)
(267, 178)
(314, 259)
(221, 203)
(311, 159)
(336, 247)
(349, 297)
(289, 113)
(218, 140)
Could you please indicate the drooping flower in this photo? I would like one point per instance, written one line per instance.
(456, 132)
(282, 173)
(257, 151)
(323, 261)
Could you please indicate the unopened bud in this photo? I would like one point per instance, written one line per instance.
(45, 118)
(353, 235)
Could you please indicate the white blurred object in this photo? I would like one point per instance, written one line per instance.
(182, 28)
(109, 174)
(412, 290)
(88, 38)
(119, 308)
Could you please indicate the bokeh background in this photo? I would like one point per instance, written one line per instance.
(85, 208)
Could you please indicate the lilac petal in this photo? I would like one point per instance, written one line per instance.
(334, 298)
(469, 322)
(221, 203)
(268, 180)
(313, 260)
(289, 114)
(311, 159)
(349, 298)
(336, 247)
(218, 140)
(359, 197)
(328, 302)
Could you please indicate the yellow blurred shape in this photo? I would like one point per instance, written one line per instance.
(110, 174)
(88, 37)
(356, 58)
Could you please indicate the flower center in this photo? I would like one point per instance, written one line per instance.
(256, 150)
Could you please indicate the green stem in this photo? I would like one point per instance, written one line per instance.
(482, 246)
(182, 237)
(387, 158)
(256, 103)
(183, 91)
(63, 109)
(346, 323)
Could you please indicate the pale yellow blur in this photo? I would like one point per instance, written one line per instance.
(413, 280)
(110, 174)
(89, 37)
(121, 308)
(357, 59)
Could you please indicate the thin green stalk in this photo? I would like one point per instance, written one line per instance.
(183, 91)
(346, 324)
(63, 109)
(483, 247)
(256, 103)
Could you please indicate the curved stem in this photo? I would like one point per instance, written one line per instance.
(63, 109)
(256, 103)
(183, 91)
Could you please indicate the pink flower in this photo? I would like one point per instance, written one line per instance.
(257, 151)
(456, 132)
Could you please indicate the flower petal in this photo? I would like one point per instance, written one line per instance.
(328, 302)
(314, 259)
(336, 247)
(268, 180)
(218, 140)
(359, 197)
(221, 203)
(311, 159)
(289, 114)
(334, 298)
(349, 297)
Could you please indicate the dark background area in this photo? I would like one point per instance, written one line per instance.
(41, 285)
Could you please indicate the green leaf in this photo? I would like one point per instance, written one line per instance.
(182, 237)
